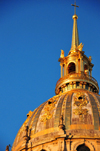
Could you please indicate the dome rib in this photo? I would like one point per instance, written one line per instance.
(68, 111)
(95, 111)
(37, 116)
(58, 111)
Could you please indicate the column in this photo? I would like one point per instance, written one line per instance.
(61, 70)
(64, 69)
(89, 88)
(76, 65)
(74, 85)
(80, 85)
(84, 84)
(63, 89)
(81, 64)
(71, 85)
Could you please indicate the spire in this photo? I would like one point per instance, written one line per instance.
(76, 68)
(75, 37)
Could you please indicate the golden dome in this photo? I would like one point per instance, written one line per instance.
(69, 121)
(75, 113)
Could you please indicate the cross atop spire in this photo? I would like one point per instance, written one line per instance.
(74, 7)
(75, 37)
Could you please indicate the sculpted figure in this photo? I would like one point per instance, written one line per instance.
(62, 54)
(80, 47)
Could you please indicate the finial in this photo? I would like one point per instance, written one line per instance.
(74, 7)
(75, 37)
(7, 148)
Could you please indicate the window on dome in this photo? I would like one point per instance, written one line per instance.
(71, 67)
(82, 148)
(86, 68)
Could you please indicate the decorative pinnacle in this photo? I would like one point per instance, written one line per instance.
(75, 37)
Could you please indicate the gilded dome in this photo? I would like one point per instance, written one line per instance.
(74, 112)
(69, 121)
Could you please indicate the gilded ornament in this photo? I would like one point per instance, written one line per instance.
(62, 54)
(47, 112)
(80, 111)
(80, 100)
(80, 47)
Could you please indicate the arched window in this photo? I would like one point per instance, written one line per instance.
(71, 67)
(86, 68)
(82, 148)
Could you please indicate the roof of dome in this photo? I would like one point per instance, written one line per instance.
(72, 111)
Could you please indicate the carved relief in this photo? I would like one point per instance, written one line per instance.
(46, 118)
(48, 110)
(81, 109)
(80, 100)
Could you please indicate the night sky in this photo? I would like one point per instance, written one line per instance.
(32, 34)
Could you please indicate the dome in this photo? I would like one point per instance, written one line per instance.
(74, 113)
(69, 121)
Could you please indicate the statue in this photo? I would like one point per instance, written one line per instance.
(62, 54)
(80, 47)
(90, 58)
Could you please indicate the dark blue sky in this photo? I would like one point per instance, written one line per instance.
(32, 34)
